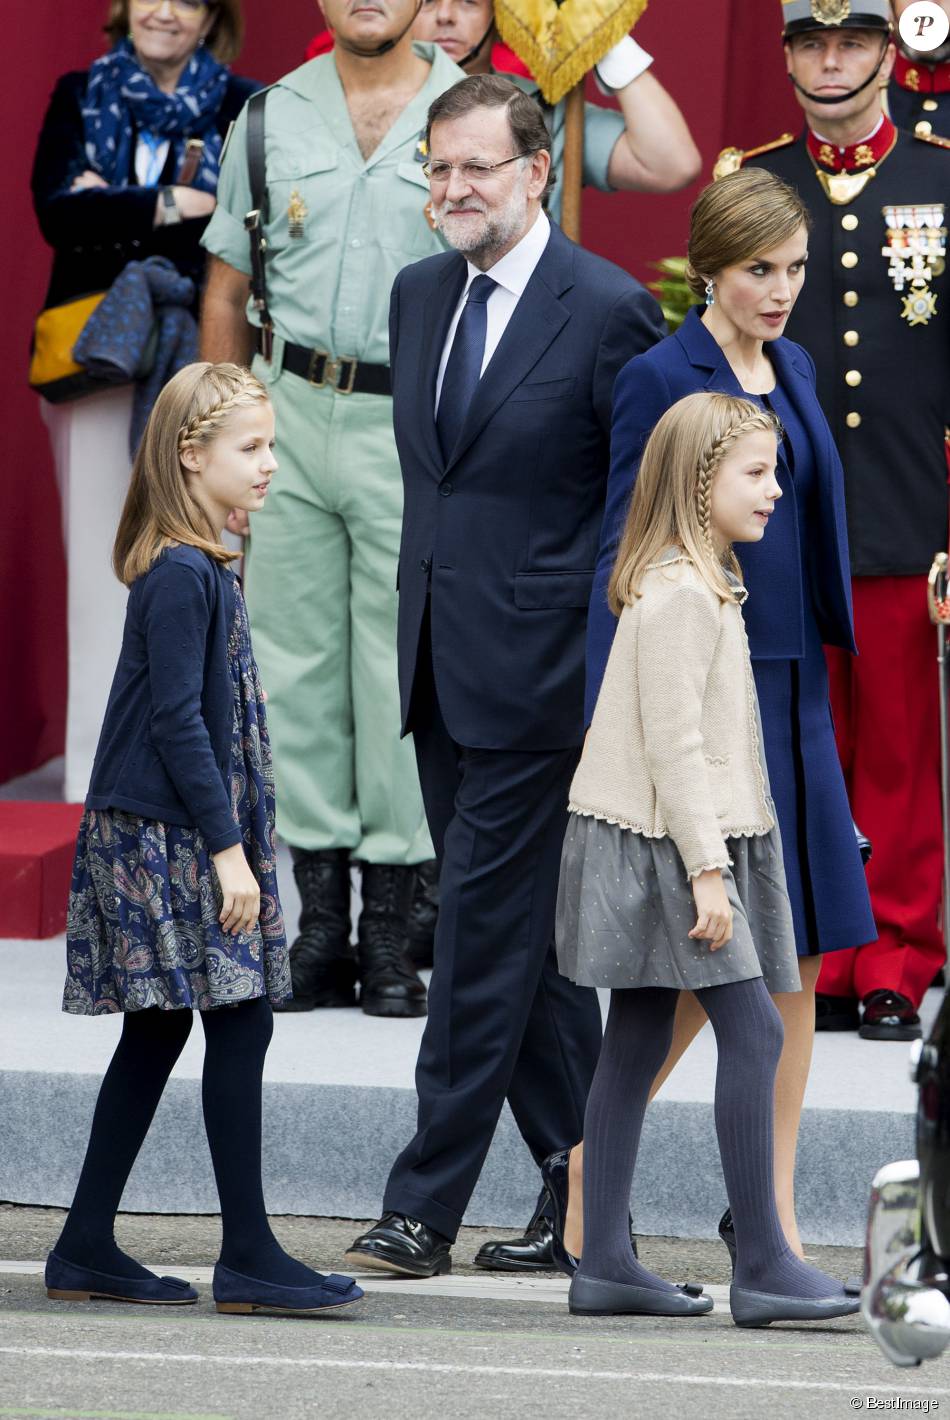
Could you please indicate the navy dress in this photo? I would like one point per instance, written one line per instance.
(797, 725)
(142, 928)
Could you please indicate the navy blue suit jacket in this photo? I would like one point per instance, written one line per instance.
(501, 537)
(688, 361)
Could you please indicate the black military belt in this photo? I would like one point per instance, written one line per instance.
(345, 375)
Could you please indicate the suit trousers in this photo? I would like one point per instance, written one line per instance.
(886, 709)
(502, 1020)
(320, 584)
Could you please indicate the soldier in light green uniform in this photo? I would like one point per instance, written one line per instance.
(644, 146)
(348, 198)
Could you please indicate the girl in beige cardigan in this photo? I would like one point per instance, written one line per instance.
(671, 874)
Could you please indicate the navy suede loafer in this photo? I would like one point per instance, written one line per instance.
(66, 1282)
(243, 1295)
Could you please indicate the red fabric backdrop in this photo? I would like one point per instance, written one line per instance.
(720, 60)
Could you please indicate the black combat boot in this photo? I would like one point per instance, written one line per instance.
(423, 914)
(388, 984)
(322, 961)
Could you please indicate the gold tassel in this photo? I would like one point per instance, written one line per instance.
(521, 26)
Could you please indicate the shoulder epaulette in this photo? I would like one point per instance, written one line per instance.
(730, 160)
(927, 137)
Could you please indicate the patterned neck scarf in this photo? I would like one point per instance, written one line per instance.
(121, 97)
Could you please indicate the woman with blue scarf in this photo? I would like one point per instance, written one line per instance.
(126, 169)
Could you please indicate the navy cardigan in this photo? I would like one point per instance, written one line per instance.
(165, 747)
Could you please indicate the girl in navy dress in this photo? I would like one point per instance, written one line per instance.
(174, 905)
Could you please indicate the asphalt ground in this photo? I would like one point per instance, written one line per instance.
(469, 1346)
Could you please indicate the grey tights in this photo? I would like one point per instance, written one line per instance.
(637, 1038)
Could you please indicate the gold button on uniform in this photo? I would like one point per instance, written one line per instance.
(849, 259)
(930, 105)
(849, 221)
(853, 420)
(923, 129)
(850, 298)
(853, 378)
(851, 337)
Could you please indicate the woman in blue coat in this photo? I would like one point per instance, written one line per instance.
(747, 252)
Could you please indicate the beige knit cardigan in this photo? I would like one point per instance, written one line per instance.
(673, 746)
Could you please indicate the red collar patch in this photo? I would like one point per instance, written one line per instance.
(858, 155)
(922, 78)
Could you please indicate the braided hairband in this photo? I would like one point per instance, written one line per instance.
(202, 426)
(714, 455)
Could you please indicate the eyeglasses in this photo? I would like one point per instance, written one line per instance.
(180, 7)
(473, 173)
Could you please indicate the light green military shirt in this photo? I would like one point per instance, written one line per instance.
(359, 220)
(602, 128)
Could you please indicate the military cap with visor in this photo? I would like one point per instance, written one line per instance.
(800, 16)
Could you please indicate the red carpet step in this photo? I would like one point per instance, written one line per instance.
(37, 842)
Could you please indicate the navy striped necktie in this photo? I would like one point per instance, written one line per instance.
(464, 368)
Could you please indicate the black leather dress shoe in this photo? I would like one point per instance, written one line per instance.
(836, 1013)
(889, 1016)
(403, 1246)
(532, 1252)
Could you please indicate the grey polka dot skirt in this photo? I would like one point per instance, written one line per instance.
(625, 907)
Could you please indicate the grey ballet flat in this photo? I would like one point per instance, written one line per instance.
(761, 1308)
(591, 1296)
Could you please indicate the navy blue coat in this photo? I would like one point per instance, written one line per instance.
(165, 746)
(826, 881)
(502, 537)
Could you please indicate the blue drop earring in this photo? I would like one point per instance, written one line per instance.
(710, 294)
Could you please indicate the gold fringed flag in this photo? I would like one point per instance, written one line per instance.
(561, 43)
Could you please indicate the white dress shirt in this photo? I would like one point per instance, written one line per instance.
(511, 274)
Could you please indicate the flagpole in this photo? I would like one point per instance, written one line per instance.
(573, 170)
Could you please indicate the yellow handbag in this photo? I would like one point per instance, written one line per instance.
(53, 371)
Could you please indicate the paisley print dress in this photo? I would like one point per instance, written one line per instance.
(142, 928)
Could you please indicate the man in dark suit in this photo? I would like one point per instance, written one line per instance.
(504, 354)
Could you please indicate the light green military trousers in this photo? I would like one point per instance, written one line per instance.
(320, 583)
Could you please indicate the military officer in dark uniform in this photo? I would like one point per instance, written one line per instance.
(919, 91)
(874, 314)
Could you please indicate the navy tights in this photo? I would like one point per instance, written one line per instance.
(236, 1041)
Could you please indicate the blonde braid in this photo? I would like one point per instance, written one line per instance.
(203, 427)
(708, 464)
(246, 390)
(713, 457)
